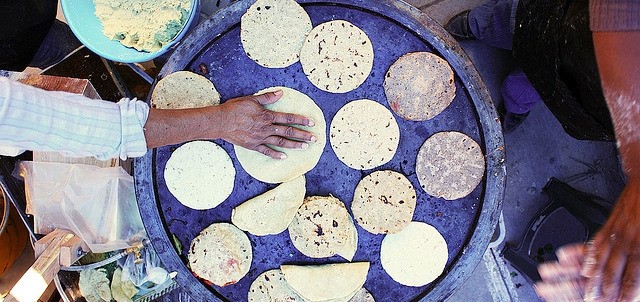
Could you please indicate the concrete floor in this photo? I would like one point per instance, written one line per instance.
(538, 150)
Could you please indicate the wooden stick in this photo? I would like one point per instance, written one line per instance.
(35, 281)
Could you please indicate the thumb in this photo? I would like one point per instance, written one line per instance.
(268, 97)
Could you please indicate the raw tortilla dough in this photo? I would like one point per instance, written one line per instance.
(94, 285)
(298, 162)
(272, 32)
(450, 165)
(200, 175)
(221, 254)
(419, 86)
(142, 24)
(270, 286)
(271, 212)
(122, 290)
(416, 256)
(364, 134)
(383, 202)
(337, 56)
(328, 282)
(184, 89)
(323, 228)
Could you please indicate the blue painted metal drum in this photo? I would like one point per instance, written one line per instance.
(395, 28)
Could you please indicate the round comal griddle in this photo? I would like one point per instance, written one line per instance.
(395, 28)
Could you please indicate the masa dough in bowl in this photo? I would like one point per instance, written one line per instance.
(145, 25)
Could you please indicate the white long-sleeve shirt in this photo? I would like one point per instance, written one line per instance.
(39, 120)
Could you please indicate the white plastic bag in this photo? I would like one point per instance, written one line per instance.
(97, 204)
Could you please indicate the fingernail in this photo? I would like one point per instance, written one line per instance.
(283, 156)
(304, 146)
(311, 123)
(313, 138)
(278, 92)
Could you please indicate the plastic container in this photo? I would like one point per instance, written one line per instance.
(81, 17)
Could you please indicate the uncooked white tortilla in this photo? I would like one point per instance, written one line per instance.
(184, 89)
(364, 134)
(272, 32)
(337, 56)
(322, 228)
(383, 202)
(200, 175)
(271, 212)
(415, 256)
(298, 161)
(328, 282)
(270, 286)
(450, 165)
(221, 254)
(419, 86)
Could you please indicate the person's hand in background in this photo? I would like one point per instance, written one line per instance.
(612, 261)
(562, 279)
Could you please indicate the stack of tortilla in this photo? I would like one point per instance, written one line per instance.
(329, 282)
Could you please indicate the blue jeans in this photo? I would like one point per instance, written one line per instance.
(59, 42)
(493, 23)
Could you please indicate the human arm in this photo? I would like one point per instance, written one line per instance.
(241, 121)
(76, 126)
(612, 263)
(34, 119)
(611, 266)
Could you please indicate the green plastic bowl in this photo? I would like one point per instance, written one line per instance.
(81, 17)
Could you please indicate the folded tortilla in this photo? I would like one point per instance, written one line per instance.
(271, 212)
(322, 227)
(328, 282)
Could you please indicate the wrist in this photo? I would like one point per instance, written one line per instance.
(208, 123)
